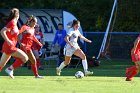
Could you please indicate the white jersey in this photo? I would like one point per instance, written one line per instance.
(73, 34)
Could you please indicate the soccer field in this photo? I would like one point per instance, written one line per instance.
(107, 78)
(68, 84)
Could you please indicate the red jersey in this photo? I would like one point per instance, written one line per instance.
(12, 34)
(136, 56)
(39, 36)
(27, 38)
(138, 42)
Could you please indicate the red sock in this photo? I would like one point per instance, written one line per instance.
(0, 69)
(34, 69)
(132, 68)
(17, 63)
(132, 74)
(38, 62)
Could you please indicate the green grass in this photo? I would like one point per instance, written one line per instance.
(109, 77)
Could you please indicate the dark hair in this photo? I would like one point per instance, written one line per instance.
(30, 19)
(60, 24)
(75, 22)
(13, 14)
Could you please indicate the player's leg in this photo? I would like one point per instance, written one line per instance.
(21, 59)
(68, 53)
(20, 54)
(81, 54)
(36, 54)
(33, 64)
(129, 70)
(133, 70)
(4, 59)
(63, 64)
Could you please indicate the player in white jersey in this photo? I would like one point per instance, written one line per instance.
(72, 47)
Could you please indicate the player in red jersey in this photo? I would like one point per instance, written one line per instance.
(135, 54)
(25, 44)
(36, 48)
(10, 34)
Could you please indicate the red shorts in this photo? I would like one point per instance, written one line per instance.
(26, 49)
(8, 49)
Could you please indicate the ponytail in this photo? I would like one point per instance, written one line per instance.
(13, 13)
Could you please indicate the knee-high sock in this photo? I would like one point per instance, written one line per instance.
(34, 69)
(134, 72)
(62, 65)
(16, 64)
(38, 62)
(131, 68)
(85, 66)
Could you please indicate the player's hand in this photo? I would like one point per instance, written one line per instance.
(41, 45)
(89, 41)
(71, 45)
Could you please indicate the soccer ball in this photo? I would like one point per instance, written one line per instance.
(79, 74)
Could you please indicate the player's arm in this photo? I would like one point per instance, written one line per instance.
(85, 39)
(4, 35)
(67, 40)
(22, 29)
(36, 40)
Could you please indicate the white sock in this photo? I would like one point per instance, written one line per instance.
(84, 63)
(11, 67)
(62, 65)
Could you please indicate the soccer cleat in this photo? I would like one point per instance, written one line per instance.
(58, 71)
(9, 72)
(41, 77)
(128, 79)
(88, 73)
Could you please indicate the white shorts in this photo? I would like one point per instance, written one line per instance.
(68, 51)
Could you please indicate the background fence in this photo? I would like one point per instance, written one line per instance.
(118, 45)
